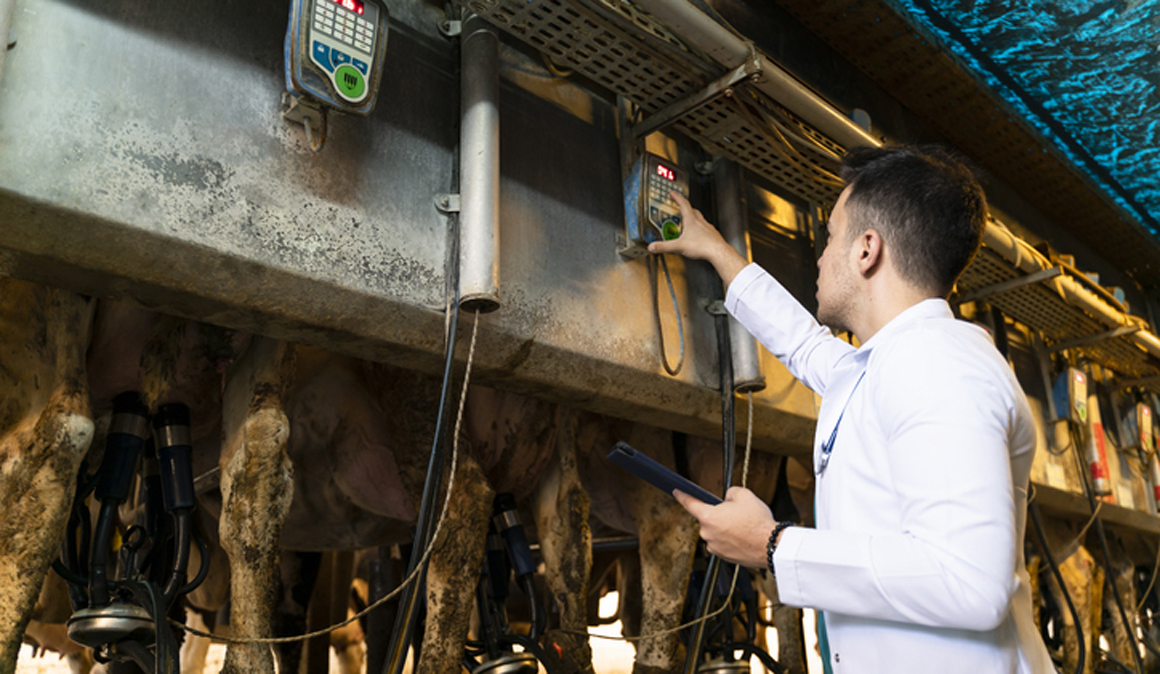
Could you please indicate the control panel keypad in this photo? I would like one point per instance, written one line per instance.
(343, 25)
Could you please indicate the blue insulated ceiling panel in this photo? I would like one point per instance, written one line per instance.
(1084, 73)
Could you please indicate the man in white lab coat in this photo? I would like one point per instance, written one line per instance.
(924, 440)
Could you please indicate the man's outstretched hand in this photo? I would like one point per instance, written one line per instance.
(701, 241)
(736, 529)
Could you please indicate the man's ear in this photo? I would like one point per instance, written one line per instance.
(870, 253)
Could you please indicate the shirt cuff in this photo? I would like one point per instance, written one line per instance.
(740, 284)
(789, 591)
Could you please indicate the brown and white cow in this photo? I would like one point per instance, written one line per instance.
(320, 452)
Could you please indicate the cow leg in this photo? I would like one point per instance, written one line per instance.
(1084, 581)
(791, 642)
(1124, 577)
(668, 537)
(257, 488)
(561, 512)
(45, 430)
(453, 569)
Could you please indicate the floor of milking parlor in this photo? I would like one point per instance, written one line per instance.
(609, 657)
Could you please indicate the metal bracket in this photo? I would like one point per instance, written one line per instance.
(722, 86)
(1004, 286)
(447, 203)
(451, 27)
(1091, 339)
(309, 114)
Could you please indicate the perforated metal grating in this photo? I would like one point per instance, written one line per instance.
(1038, 306)
(623, 49)
(626, 51)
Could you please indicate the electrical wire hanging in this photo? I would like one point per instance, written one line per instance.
(673, 370)
(778, 135)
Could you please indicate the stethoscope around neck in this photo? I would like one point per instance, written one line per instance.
(828, 445)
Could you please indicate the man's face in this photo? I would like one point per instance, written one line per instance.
(836, 272)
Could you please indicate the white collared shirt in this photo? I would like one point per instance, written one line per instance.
(917, 558)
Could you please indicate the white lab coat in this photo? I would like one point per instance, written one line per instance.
(917, 558)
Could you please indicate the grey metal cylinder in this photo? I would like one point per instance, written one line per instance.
(731, 220)
(479, 167)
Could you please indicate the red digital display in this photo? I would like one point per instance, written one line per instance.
(666, 173)
(355, 6)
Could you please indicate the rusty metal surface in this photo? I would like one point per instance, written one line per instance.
(166, 177)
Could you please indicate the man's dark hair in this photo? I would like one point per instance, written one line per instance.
(926, 204)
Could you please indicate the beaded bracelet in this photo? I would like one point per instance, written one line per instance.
(771, 547)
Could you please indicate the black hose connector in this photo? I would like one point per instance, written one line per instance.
(127, 434)
(126, 437)
(507, 522)
(499, 567)
(175, 452)
(175, 455)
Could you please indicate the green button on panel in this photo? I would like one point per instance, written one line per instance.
(350, 81)
(670, 230)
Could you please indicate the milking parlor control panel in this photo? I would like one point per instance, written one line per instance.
(651, 214)
(334, 52)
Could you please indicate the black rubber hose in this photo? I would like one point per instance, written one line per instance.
(1033, 509)
(1119, 602)
(766, 659)
(705, 601)
(183, 525)
(98, 564)
(539, 621)
(203, 571)
(409, 603)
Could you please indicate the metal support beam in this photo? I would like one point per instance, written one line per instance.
(722, 86)
(1091, 339)
(1004, 286)
(725, 47)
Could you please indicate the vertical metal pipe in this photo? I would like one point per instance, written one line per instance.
(7, 11)
(729, 190)
(479, 166)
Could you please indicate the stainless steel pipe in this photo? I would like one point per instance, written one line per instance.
(729, 190)
(479, 167)
(1020, 254)
(723, 46)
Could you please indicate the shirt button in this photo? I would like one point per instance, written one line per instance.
(837, 658)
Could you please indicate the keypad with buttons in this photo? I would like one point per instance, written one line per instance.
(342, 43)
(663, 213)
(343, 25)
